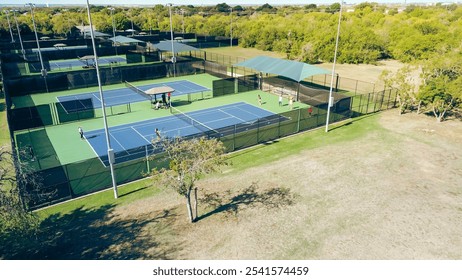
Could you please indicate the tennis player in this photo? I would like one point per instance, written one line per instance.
(157, 134)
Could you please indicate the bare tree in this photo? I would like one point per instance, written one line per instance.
(405, 87)
(189, 160)
(15, 219)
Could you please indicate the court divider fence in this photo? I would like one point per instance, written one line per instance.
(25, 85)
(77, 179)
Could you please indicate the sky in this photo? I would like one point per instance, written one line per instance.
(208, 2)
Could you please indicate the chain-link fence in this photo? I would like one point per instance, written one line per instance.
(63, 182)
(109, 75)
(80, 178)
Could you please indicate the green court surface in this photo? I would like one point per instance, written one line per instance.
(69, 148)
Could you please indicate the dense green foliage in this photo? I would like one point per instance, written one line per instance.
(369, 31)
(441, 90)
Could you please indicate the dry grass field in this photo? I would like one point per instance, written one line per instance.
(393, 193)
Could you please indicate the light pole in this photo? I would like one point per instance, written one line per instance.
(9, 25)
(171, 38)
(19, 34)
(231, 28)
(110, 151)
(330, 101)
(43, 71)
(113, 28)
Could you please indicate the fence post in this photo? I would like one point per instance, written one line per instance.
(359, 106)
(374, 99)
(279, 128)
(234, 138)
(337, 82)
(368, 101)
(147, 159)
(258, 131)
(299, 119)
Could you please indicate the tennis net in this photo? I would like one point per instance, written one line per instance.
(137, 90)
(202, 127)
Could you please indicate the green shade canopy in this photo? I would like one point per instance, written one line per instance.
(166, 46)
(124, 40)
(294, 70)
(97, 34)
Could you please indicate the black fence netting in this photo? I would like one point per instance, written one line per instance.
(35, 84)
(247, 83)
(54, 114)
(224, 87)
(108, 75)
(30, 117)
(53, 187)
(14, 69)
(87, 176)
(63, 116)
(216, 69)
(235, 85)
(24, 86)
(36, 150)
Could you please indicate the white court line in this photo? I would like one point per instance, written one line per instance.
(74, 97)
(97, 97)
(231, 115)
(153, 122)
(125, 126)
(257, 116)
(140, 135)
(96, 152)
(118, 142)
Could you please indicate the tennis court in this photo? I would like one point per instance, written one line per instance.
(134, 140)
(131, 94)
(79, 63)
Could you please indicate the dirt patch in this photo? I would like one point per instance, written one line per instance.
(364, 72)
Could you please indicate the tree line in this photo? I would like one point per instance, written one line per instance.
(369, 32)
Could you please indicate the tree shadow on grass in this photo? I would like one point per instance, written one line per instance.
(87, 234)
(249, 197)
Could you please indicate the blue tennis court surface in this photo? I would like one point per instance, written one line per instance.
(133, 141)
(88, 101)
(77, 63)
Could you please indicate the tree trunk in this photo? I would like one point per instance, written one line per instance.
(419, 106)
(402, 108)
(188, 204)
(400, 105)
(438, 115)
